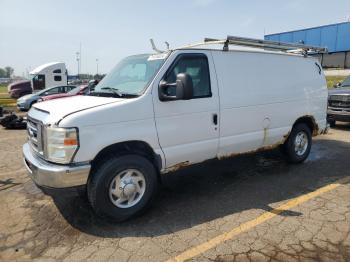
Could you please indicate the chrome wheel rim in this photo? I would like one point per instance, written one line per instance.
(127, 188)
(301, 143)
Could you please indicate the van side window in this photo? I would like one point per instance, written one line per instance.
(57, 71)
(57, 78)
(196, 65)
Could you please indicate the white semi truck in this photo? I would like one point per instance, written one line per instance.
(49, 75)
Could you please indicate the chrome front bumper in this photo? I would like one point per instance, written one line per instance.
(51, 175)
(338, 111)
(342, 115)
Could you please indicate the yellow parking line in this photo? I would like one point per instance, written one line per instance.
(197, 250)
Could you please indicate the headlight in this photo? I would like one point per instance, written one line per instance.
(61, 144)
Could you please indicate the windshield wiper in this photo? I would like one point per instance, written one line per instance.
(114, 90)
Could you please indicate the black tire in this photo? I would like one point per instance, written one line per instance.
(99, 185)
(289, 146)
(332, 123)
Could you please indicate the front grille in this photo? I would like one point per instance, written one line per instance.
(34, 130)
(339, 101)
(340, 98)
(339, 104)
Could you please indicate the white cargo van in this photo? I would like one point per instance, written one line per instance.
(49, 75)
(157, 113)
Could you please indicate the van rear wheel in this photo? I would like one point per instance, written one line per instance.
(298, 145)
(122, 187)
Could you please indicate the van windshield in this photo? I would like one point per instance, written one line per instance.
(131, 75)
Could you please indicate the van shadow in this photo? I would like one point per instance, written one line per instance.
(342, 126)
(216, 189)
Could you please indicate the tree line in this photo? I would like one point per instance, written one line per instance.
(7, 72)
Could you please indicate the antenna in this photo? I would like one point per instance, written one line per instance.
(154, 47)
(167, 45)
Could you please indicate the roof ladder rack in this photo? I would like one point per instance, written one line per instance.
(266, 44)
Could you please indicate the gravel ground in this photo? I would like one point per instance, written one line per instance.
(194, 206)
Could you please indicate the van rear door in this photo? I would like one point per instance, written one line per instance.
(188, 130)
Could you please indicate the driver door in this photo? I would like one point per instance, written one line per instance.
(188, 130)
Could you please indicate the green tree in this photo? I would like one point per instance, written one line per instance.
(98, 76)
(9, 71)
(2, 73)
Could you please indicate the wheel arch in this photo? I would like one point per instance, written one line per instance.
(310, 122)
(137, 147)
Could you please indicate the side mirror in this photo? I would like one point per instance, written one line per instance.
(337, 85)
(183, 88)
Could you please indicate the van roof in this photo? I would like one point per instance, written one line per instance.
(239, 49)
(237, 43)
(39, 69)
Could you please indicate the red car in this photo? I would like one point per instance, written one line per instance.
(79, 90)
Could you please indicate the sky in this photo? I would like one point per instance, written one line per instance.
(40, 31)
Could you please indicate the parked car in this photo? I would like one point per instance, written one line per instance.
(339, 103)
(25, 102)
(153, 114)
(79, 90)
(19, 89)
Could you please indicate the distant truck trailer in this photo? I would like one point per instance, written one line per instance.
(5, 80)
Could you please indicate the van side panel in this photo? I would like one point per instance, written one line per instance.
(185, 128)
(262, 95)
(102, 126)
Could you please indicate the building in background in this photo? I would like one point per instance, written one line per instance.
(336, 37)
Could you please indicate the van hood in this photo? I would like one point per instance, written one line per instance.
(52, 111)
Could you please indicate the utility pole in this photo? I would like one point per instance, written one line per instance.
(96, 66)
(80, 57)
(78, 63)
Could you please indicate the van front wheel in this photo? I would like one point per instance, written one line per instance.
(298, 145)
(122, 187)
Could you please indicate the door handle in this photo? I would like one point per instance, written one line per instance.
(215, 119)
